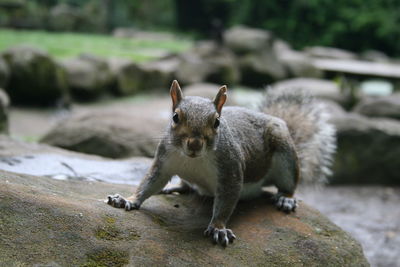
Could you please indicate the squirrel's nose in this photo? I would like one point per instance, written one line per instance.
(194, 144)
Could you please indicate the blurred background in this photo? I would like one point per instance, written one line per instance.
(93, 76)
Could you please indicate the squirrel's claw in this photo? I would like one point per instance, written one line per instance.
(220, 236)
(285, 204)
(119, 202)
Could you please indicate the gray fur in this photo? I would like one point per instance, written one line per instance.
(316, 152)
(247, 151)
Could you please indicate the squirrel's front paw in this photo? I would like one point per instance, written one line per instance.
(221, 236)
(119, 202)
(286, 204)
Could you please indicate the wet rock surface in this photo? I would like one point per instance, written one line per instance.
(369, 213)
(46, 221)
(47, 161)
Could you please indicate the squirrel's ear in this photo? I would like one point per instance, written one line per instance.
(176, 94)
(220, 99)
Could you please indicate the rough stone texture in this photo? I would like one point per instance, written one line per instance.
(323, 89)
(382, 106)
(35, 78)
(52, 223)
(329, 52)
(262, 68)
(114, 134)
(116, 130)
(4, 73)
(158, 74)
(369, 213)
(4, 105)
(88, 76)
(298, 64)
(207, 62)
(242, 39)
(125, 74)
(374, 55)
(368, 150)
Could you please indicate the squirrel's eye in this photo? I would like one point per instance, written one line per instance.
(216, 123)
(175, 117)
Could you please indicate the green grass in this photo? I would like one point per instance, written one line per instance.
(67, 45)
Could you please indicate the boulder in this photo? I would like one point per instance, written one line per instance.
(329, 52)
(375, 56)
(242, 39)
(4, 104)
(323, 89)
(368, 150)
(262, 68)
(35, 78)
(208, 62)
(4, 73)
(381, 106)
(115, 132)
(49, 222)
(63, 17)
(125, 73)
(297, 63)
(158, 74)
(88, 76)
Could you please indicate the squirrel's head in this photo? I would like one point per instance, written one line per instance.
(195, 120)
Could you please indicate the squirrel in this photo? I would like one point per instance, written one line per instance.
(231, 153)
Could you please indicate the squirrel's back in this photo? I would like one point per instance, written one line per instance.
(307, 121)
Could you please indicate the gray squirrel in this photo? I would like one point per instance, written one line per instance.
(231, 153)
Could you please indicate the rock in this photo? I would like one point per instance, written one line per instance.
(298, 64)
(207, 62)
(4, 73)
(44, 160)
(368, 150)
(260, 69)
(382, 106)
(125, 74)
(375, 87)
(63, 17)
(88, 76)
(358, 68)
(47, 222)
(115, 132)
(35, 78)
(158, 74)
(329, 52)
(242, 39)
(323, 89)
(375, 56)
(207, 90)
(4, 105)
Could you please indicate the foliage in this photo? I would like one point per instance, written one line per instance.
(64, 45)
(356, 25)
(350, 24)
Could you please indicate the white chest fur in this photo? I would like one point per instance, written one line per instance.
(199, 172)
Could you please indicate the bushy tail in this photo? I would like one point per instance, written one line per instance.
(313, 135)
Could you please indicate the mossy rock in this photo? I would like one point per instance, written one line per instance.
(35, 78)
(66, 223)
